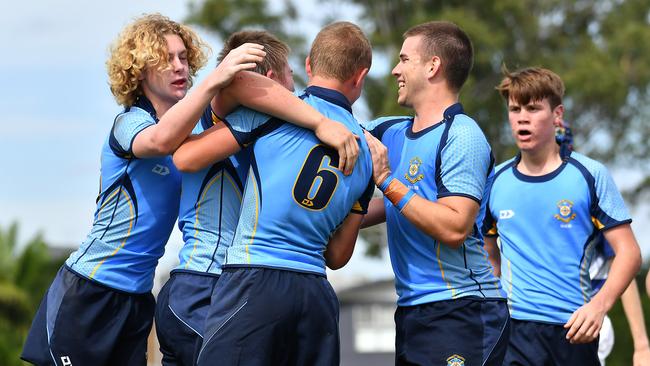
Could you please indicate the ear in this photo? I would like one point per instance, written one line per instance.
(558, 116)
(359, 77)
(435, 65)
(308, 67)
(270, 74)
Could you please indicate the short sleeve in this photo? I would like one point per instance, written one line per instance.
(489, 227)
(248, 125)
(609, 210)
(466, 160)
(378, 126)
(361, 205)
(125, 128)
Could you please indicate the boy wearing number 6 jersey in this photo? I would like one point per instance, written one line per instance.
(299, 212)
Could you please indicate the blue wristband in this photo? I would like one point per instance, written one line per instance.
(407, 197)
(385, 183)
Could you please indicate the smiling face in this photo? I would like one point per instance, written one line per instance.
(169, 85)
(533, 124)
(411, 72)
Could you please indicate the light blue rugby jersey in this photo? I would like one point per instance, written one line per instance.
(545, 226)
(136, 209)
(209, 209)
(450, 158)
(295, 197)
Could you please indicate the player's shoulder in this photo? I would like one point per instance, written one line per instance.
(385, 122)
(246, 112)
(594, 167)
(463, 124)
(133, 114)
(246, 119)
(504, 165)
(502, 168)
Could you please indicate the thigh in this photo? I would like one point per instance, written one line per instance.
(249, 311)
(496, 331)
(317, 336)
(131, 345)
(541, 344)
(181, 311)
(525, 347)
(36, 347)
(450, 332)
(85, 320)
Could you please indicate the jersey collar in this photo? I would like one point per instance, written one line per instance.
(145, 104)
(452, 111)
(448, 116)
(330, 95)
(538, 178)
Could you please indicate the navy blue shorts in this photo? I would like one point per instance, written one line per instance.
(533, 343)
(262, 316)
(81, 322)
(182, 306)
(465, 331)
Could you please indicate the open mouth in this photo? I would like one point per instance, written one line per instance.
(523, 133)
(179, 83)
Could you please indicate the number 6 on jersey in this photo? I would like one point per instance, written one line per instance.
(317, 181)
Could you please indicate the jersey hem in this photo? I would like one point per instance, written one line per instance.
(469, 297)
(98, 283)
(547, 322)
(450, 194)
(619, 223)
(237, 266)
(194, 272)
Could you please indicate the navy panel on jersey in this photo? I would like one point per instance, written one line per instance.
(295, 195)
(181, 310)
(271, 317)
(81, 322)
(279, 308)
(539, 217)
(540, 344)
(450, 158)
(209, 207)
(467, 331)
(136, 209)
(601, 263)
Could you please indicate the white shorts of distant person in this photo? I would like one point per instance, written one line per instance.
(606, 341)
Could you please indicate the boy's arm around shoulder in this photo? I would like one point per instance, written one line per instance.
(267, 96)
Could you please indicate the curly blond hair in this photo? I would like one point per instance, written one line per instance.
(142, 45)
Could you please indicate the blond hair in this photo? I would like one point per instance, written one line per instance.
(339, 50)
(142, 45)
(277, 52)
(532, 84)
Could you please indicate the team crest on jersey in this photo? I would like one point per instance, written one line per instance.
(455, 360)
(413, 175)
(566, 211)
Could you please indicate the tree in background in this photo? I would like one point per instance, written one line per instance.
(600, 48)
(27, 271)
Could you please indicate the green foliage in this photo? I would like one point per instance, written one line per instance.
(601, 49)
(224, 17)
(623, 345)
(26, 274)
